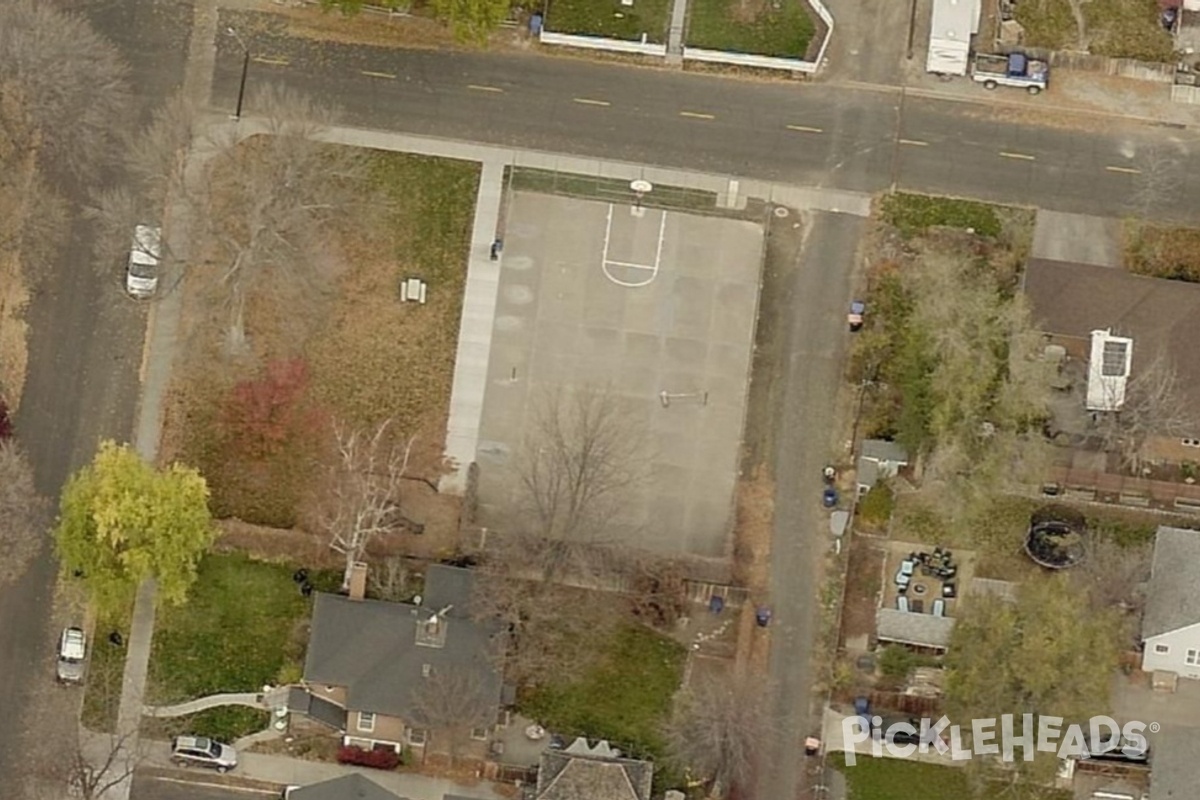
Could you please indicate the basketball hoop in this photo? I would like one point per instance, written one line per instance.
(640, 188)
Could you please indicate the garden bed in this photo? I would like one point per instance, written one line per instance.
(611, 19)
(779, 28)
(1162, 251)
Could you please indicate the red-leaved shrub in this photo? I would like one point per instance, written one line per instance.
(6, 430)
(381, 758)
(263, 416)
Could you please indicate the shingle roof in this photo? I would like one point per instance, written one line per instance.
(1172, 601)
(347, 787)
(370, 647)
(571, 775)
(1161, 316)
(907, 627)
(883, 450)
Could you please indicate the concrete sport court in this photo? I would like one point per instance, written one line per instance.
(657, 308)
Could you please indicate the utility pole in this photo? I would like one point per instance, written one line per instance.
(237, 115)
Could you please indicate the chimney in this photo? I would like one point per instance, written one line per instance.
(358, 581)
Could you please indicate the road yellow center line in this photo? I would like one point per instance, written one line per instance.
(1019, 156)
(589, 102)
(370, 74)
(1125, 170)
(479, 88)
(695, 115)
(278, 62)
(914, 142)
(803, 129)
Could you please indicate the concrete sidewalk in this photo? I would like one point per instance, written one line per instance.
(475, 330)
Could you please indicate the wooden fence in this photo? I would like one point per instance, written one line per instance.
(1086, 62)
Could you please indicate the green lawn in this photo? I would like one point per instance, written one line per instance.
(239, 630)
(914, 213)
(610, 19)
(106, 669)
(898, 779)
(781, 28)
(624, 700)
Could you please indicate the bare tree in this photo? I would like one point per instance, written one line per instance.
(717, 726)
(547, 623)
(582, 458)
(453, 702)
(1113, 575)
(391, 580)
(71, 83)
(22, 520)
(265, 207)
(1154, 404)
(365, 498)
(91, 767)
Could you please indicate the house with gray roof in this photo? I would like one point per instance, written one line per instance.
(910, 628)
(392, 675)
(879, 459)
(347, 787)
(598, 772)
(1171, 620)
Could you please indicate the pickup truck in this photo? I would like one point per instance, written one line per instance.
(1015, 69)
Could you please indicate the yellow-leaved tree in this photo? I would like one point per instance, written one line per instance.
(122, 521)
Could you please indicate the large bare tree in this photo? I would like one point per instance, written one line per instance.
(452, 703)
(582, 460)
(71, 84)
(266, 206)
(364, 499)
(1154, 405)
(22, 521)
(88, 767)
(261, 205)
(718, 724)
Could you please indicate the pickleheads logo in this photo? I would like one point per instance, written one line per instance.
(1100, 737)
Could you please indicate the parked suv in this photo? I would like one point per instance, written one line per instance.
(72, 651)
(200, 751)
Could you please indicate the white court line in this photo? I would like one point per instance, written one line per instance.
(605, 262)
(607, 233)
(649, 267)
(662, 228)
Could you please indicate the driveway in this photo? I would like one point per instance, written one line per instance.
(1132, 699)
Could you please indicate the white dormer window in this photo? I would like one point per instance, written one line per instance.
(366, 721)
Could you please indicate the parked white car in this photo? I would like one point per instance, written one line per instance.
(141, 273)
(72, 652)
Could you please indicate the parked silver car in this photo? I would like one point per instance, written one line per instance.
(72, 653)
(200, 751)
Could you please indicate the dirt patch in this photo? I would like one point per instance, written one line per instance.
(863, 574)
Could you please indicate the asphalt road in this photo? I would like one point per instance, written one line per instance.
(842, 136)
(85, 348)
(150, 785)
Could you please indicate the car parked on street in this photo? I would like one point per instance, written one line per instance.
(200, 751)
(72, 653)
(141, 272)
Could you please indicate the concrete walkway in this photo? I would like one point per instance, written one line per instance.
(475, 330)
(247, 699)
(675, 32)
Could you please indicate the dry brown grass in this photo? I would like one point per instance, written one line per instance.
(371, 357)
